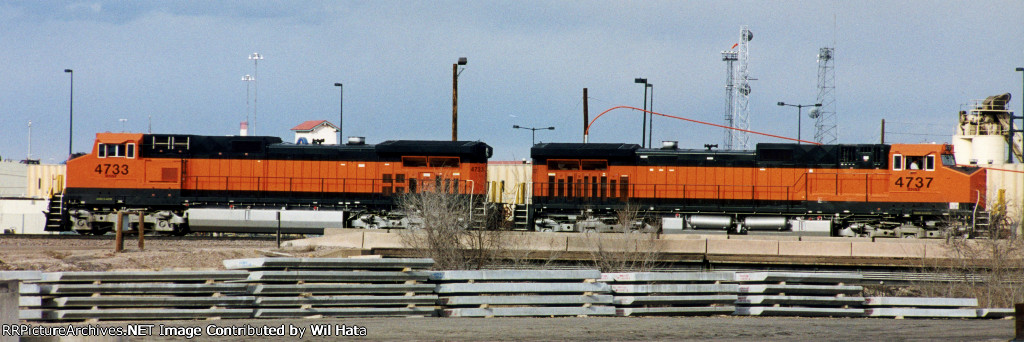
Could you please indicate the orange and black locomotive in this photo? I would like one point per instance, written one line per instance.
(853, 190)
(188, 183)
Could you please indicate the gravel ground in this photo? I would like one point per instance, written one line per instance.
(54, 255)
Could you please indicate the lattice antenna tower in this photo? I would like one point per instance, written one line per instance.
(741, 116)
(729, 57)
(825, 116)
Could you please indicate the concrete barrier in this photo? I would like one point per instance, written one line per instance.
(592, 242)
(539, 242)
(887, 250)
(939, 251)
(372, 239)
(743, 247)
(815, 248)
(682, 244)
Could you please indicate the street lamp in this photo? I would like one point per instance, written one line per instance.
(643, 136)
(533, 132)
(650, 127)
(71, 112)
(341, 112)
(799, 109)
(455, 96)
(247, 79)
(255, 57)
(1015, 117)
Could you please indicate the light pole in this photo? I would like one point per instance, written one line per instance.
(248, 80)
(255, 57)
(71, 112)
(650, 127)
(29, 140)
(643, 136)
(455, 96)
(341, 113)
(799, 109)
(1015, 117)
(533, 132)
(124, 125)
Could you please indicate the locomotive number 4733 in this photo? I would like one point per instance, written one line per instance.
(914, 182)
(112, 169)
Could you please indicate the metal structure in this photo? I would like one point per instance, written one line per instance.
(643, 126)
(730, 58)
(71, 112)
(255, 57)
(986, 133)
(825, 130)
(741, 115)
(799, 115)
(248, 80)
(341, 112)
(533, 132)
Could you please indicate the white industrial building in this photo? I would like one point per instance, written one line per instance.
(24, 194)
(314, 132)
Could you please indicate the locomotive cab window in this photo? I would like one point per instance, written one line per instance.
(897, 162)
(116, 150)
(929, 163)
(559, 164)
(948, 160)
(915, 162)
(593, 164)
(444, 161)
(414, 161)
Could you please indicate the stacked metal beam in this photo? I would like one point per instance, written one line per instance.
(672, 293)
(338, 287)
(919, 307)
(799, 294)
(74, 296)
(520, 293)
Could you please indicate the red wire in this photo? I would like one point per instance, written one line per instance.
(587, 131)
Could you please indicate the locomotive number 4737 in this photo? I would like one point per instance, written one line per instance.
(913, 182)
(112, 169)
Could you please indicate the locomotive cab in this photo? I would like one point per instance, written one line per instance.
(928, 172)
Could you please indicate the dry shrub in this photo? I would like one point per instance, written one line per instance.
(441, 229)
(990, 269)
(634, 250)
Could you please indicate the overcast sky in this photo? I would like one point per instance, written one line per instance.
(913, 63)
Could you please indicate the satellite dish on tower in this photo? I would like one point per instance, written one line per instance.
(748, 35)
(814, 113)
(744, 89)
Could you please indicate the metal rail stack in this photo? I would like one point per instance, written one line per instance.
(92, 296)
(920, 307)
(799, 294)
(672, 293)
(521, 293)
(338, 287)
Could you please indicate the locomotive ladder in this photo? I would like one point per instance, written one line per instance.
(55, 215)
